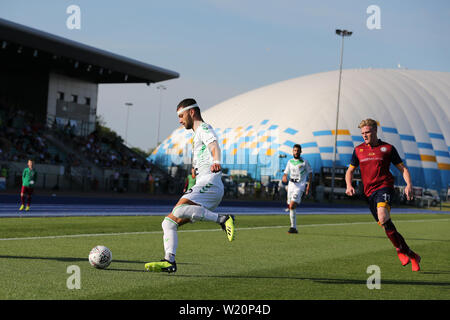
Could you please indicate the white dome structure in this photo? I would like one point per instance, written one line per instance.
(257, 129)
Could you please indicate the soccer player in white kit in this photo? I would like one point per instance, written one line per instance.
(198, 202)
(300, 177)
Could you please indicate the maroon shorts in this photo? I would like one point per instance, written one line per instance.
(27, 190)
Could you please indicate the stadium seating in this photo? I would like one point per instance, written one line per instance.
(89, 162)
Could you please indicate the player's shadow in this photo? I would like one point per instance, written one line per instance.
(142, 270)
(372, 237)
(126, 270)
(436, 272)
(83, 260)
(63, 259)
(324, 280)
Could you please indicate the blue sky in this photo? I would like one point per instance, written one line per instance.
(223, 48)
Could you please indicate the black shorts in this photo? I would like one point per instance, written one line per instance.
(380, 197)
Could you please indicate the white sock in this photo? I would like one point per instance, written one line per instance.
(221, 218)
(293, 216)
(170, 238)
(170, 257)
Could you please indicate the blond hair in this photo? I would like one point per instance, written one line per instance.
(368, 122)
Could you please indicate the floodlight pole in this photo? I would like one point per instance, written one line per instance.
(128, 105)
(160, 88)
(342, 33)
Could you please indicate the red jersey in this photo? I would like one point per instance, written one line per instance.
(374, 163)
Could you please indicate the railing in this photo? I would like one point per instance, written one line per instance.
(69, 182)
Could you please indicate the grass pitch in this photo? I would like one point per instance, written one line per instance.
(328, 259)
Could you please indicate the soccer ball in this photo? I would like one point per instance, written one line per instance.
(100, 257)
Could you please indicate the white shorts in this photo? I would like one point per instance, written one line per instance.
(295, 192)
(207, 191)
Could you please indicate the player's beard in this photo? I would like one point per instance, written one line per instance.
(189, 123)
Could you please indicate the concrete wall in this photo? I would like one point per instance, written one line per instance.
(69, 86)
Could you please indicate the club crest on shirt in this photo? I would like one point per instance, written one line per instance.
(383, 149)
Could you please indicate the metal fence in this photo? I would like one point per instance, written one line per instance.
(58, 182)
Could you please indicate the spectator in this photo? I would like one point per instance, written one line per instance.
(116, 181)
(151, 183)
(190, 181)
(28, 180)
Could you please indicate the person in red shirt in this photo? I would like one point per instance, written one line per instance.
(374, 157)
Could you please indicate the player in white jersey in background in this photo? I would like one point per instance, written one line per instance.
(300, 177)
(198, 202)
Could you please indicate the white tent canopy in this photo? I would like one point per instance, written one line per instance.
(412, 108)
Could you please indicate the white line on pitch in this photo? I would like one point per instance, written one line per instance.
(208, 230)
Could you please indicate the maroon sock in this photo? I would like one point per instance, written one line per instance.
(29, 201)
(22, 200)
(396, 238)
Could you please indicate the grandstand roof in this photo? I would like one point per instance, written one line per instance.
(25, 46)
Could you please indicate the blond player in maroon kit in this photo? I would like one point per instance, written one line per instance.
(374, 157)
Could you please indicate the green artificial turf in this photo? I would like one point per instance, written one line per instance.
(328, 259)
